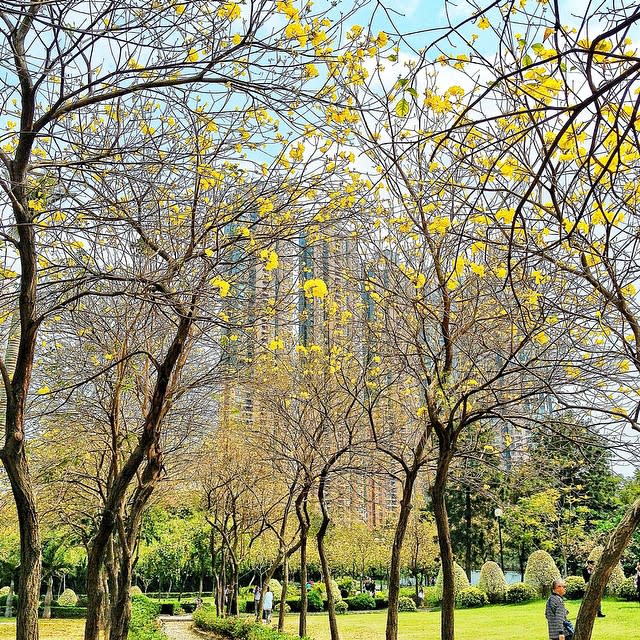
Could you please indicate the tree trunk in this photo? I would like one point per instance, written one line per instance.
(303, 519)
(46, 613)
(467, 510)
(396, 549)
(326, 572)
(444, 541)
(614, 548)
(283, 597)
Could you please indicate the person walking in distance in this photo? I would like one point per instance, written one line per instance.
(267, 605)
(586, 574)
(637, 580)
(556, 613)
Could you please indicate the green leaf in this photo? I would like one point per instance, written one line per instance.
(412, 92)
(537, 47)
(393, 58)
(402, 108)
(403, 82)
(526, 61)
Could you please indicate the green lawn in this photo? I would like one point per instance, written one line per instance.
(49, 629)
(489, 623)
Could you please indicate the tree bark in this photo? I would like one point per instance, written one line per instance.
(283, 596)
(441, 516)
(324, 563)
(396, 549)
(303, 519)
(614, 548)
(148, 447)
(46, 613)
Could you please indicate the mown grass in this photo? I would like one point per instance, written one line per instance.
(489, 623)
(49, 629)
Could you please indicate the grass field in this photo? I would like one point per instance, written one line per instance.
(489, 623)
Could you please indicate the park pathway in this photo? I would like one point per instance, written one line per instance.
(179, 628)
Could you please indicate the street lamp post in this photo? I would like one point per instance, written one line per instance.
(498, 514)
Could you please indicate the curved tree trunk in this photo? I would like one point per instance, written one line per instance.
(615, 546)
(148, 448)
(303, 520)
(326, 572)
(444, 541)
(398, 539)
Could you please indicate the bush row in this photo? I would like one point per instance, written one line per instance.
(237, 628)
(144, 625)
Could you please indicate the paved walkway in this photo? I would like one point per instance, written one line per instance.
(179, 628)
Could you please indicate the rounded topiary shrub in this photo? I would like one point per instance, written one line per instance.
(406, 604)
(68, 598)
(492, 582)
(460, 581)
(4, 591)
(575, 587)
(519, 592)
(314, 600)
(470, 598)
(276, 587)
(617, 575)
(135, 591)
(540, 573)
(287, 607)
(341, 606)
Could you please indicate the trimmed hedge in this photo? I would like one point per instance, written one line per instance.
(405, 603)
(361, 602)
(519, 592)
(144, 625)
(540, 572)
(237, 628)
(627, 590)
(66, 612)
(492, 582)
(470, 598)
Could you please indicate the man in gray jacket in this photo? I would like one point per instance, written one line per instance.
(555, 612)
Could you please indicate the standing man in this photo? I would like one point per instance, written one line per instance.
(556, 613)
(586, 574)
(637, 580)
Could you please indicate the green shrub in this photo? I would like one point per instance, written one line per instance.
(382, 600)
(3, 601)
(540, 573)
(470, 598)
(287, 607)
(135, 591)
(341, 606)
(361, 602)
(575, 587)
(321, 587)
(492, 582)
(616, 578)
(144, 625)
(237, 628)
(406, 603)
(314, 601)
(519, 592)
(460, 581)
(68, 598)
(4, 591)
(431, 597)
(347, 585)
(627, 590)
